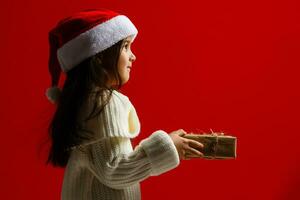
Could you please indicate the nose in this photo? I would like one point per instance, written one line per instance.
(132, 57)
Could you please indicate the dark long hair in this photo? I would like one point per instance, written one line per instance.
(64, 129)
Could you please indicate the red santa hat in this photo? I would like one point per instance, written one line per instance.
(81, 36)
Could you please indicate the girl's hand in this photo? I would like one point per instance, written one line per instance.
(184, 146)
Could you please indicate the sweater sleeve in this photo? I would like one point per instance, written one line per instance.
(116, 166)
(112, 159)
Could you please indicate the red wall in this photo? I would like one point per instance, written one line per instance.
(230, 66)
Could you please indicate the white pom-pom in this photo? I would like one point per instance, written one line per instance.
(53, 94)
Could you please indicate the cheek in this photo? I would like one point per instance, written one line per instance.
(122, 60)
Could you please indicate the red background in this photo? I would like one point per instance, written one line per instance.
(230, 66)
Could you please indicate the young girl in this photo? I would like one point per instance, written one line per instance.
(94, 122)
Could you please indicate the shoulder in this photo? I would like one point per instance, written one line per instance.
(120, 98)
(120, 95)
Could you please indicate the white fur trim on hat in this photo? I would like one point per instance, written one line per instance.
(53, 94)
(94, 41)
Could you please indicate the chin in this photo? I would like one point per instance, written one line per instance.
(124, 81)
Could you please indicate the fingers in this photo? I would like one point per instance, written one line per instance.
(186, 148)
(188, 156)
(195, 144)
(194, 152)
(190, 149)
(189, 152)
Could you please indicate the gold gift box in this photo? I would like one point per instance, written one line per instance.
(216, 146)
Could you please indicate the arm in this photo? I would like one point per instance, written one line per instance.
(111, 158)
(116, 169)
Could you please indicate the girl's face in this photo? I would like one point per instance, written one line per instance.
(125, 60)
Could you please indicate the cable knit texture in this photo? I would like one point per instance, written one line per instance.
(108, 167)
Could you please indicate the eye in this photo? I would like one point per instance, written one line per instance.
(126, 46)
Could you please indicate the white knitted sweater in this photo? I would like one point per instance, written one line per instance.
(109, 168)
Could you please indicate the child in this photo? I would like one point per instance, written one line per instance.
(93, 123)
